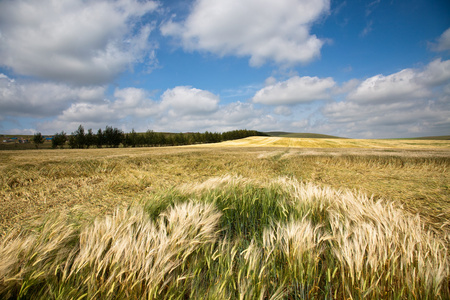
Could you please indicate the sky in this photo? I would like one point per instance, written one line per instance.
(354, 68)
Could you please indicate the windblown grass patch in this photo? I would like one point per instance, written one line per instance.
(38, 182)
(231, 237)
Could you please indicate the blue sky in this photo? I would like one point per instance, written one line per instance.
(359, 69)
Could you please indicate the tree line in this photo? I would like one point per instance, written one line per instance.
(114, 137)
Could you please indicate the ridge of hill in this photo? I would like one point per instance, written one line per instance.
(439, 138)
(301, 135)
(326, 136)
(278, 141)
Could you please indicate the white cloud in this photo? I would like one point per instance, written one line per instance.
(371, 7)
(185, 100)
(270, 81)
(82, 42)
(239, 115)
(42, 99)
(128, 108)
(265, 30)
(346, 87)
(299, 126)
(133, 101)
(283, 110)
(408, 84)
(396, 87)
(126, 103)
(407, 103)
(236, 115)
(443, 42)
(411, 102)
(87, 112)
(421, 118)
(295, 90)
(436, 73)
(367, 29)
(180, 109)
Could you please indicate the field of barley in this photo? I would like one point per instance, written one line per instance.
(257, 218)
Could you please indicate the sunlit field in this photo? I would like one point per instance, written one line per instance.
(258, 218)
(259, 141)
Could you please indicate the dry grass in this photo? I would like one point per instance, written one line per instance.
(259, 141)
(36, 182)
(232, 237)
(69, 217)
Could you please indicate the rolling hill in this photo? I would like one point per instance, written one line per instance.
(301, 135)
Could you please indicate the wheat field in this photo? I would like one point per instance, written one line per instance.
(260, 141)
(226, 222)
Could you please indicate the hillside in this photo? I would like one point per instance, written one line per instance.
(301, 135)
(439, 138)
(259, 141)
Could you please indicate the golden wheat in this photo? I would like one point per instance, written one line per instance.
(213, 223)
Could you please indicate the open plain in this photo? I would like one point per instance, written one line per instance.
(373, 218)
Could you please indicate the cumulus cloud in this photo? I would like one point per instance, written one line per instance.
(186, 100)
(126, 103)
(235, 115)
(346, 87)
(266, 30)
(443, 42)
(179, 109)
(411, 102)
(134, 102)
(421, 118)
(396, 87)
(407, 103)
(283, 110)
(436, 73)
(295, 90)
(42, 99)
(88, 112)
(81, 42)
(408, 84)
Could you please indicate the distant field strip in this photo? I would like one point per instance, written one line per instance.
(259, 141)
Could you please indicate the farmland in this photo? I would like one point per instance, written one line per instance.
(257, 217)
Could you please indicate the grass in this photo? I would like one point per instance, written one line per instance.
(441, 137)
(335, 143)
(230, 238)
(301, 135)
(225, 223)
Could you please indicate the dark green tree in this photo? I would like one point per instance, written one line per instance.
(100, 138)
(132, 139)
(113, 136)
(90, 138)
(197, 138)
(72, 142)
(180, 139)
(79, 138)
(150, 138)
(59, 139)
(161, 139)
(38, 139)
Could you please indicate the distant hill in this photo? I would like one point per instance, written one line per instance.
(438, 138)
(301, 135)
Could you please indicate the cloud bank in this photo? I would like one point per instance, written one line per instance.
(410, 102)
